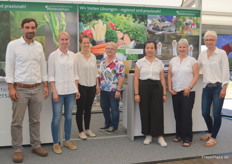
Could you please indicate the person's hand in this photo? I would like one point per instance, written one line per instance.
(13, 94)
(172, 92)
(117, 95)
(46, 92)
(137, 98)
(186, 92)
(97, 90)
(78, 95)
(164, 98)
(55, 97)
(222, 93)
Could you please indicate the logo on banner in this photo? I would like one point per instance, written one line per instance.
(58, 8)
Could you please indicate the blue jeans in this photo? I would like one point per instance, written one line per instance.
(107, 102)
(68, 102)
(211, 95)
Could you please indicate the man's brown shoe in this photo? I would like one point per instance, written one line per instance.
(18, 157)
(40, 151)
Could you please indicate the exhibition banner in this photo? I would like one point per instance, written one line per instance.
(137, 10)
(28, 6)
(128, 26)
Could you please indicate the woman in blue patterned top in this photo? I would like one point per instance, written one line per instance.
(111, 83)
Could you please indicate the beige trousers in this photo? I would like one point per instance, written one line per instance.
(31, 98)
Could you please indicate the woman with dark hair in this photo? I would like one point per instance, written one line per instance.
(87, 85)
(150, 93)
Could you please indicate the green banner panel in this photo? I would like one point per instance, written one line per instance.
(138, 10)
(33, 6)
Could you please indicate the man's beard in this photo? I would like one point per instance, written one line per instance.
(30, 35)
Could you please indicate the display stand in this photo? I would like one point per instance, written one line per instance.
(131, 114)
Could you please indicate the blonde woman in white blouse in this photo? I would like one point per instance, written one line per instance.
(63, 80)
(150, 93)
(216, 76)
(183, 74)
(87, 85)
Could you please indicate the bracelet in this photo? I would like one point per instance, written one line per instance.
(164, 94)
(118, 90)
(136, 94)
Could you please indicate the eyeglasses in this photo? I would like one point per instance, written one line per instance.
(209, 40)
(110, 49)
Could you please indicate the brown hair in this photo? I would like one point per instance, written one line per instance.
(82, 37)
(28, 20)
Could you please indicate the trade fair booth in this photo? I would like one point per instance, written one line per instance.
(130, 26)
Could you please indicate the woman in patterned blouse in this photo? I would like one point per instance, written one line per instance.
(111, 83)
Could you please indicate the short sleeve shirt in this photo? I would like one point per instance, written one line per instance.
(150, 70)
(182, 72)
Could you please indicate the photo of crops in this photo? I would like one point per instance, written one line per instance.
(127, 30)
(16, 18)
(49, 26)
(188, 25)
(56, 22)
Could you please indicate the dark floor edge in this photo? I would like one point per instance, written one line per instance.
(187, 158)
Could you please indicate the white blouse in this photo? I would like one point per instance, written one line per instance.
(216, 68)
(86, 70)
(182, 72)
(62, 70)
(150, 70)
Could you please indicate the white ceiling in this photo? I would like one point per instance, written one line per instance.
(213, 11)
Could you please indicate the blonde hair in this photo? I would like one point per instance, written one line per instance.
(211, 33)
(64, 33)
(112, 44)
(183, 41)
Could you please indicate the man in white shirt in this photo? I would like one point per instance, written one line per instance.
(25, 73)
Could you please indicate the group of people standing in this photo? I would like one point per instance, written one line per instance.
(76, 78)
(73, 78)
(183, 74)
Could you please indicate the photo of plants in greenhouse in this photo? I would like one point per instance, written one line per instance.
(168, 30)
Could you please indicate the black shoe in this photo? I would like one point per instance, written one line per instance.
(111, 130)
(103, 129)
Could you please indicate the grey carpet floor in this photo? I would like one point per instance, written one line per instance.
(118, 149)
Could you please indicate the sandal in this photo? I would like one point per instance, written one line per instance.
(186, 144)
(211, 142)
(205, 137)
(176, 139)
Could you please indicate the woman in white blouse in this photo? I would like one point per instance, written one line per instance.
(150, 93)
(216, 76)
(183, 74)
(63, 80)
(87, 85)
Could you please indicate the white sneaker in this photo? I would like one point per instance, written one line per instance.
(147, 140)
(162, 142)
(90, 133)
(82, 136)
